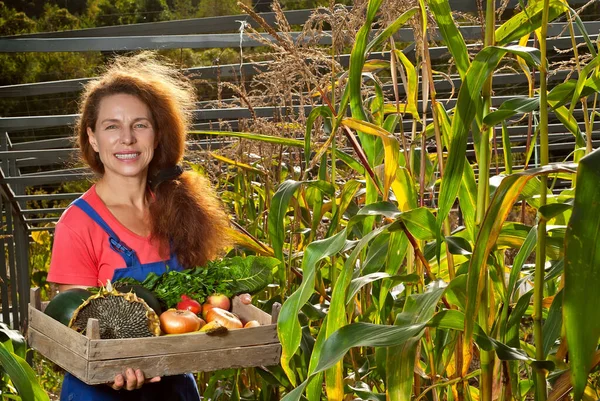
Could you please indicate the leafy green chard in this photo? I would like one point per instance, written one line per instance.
(228, 276)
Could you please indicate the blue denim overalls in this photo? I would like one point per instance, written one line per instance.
(179, 387)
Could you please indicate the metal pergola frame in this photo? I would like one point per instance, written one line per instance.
(52, 154)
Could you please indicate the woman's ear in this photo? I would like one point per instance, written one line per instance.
(92, 139)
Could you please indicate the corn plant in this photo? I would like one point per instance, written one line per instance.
(18, 380)
(385, 295)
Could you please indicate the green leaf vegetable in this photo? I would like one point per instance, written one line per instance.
(229, 276)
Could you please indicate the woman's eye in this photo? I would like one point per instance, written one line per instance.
(112, 126)
(140, 125)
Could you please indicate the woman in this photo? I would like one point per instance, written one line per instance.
(144, 213)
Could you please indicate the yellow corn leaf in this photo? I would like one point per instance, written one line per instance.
(390, 146)
(412, 94)
(524, 66)
(467, 355)
(374, 65)
(562, 386)
(236, 163)
(403, 187)
(246, 241)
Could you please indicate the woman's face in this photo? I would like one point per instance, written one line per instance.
(124, 136)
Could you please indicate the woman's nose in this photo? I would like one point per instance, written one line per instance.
(127, 136)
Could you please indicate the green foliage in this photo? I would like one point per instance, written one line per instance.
(228, 276)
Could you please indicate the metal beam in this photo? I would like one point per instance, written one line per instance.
(131, 43)
(206, 41)
(229, 23)
(46, 197)
(45, 180)
(42, 211)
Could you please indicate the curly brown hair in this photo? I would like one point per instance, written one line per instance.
(185, 211)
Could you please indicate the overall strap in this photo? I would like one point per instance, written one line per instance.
(116, 245)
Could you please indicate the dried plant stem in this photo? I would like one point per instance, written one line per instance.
(541, 391)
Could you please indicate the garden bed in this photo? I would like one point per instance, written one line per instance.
(96, 361)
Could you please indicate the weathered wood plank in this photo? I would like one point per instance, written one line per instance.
(249, 312)
(35, 299)
(92, 331)
(275, 312)
(64, 357)
(55, 330)
(180, 343)
(202, 361)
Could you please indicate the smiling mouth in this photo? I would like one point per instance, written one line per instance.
(127, 156)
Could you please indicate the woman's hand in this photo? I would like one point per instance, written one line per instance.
(132, 380)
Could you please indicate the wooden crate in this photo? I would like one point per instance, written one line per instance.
(96, 361)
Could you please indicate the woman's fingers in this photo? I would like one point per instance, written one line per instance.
(118, 383)
(246, 298)
(139, 375)
(132, 380)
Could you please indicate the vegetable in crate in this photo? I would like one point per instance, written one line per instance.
(65, 303)
(120, 315)
(229, 276)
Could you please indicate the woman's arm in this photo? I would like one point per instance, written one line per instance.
(65, 287)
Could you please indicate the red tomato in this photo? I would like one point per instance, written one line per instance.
(190, 304)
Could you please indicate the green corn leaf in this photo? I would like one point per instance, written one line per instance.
(279, 207)
(500, 206)
(467, 199)
(357, 61)
(582, 273)
(314, 389)
(528, 20)
(336, 318)
(359, 282)
(12, 365)
(410, 323)
(468, 102)
(581, 80)
(320, 111)
(513, 235)
(511, 107)
(364, 392)
(553, 323)
(452, 36)
(16, 339)
(348, 193)
(524, 252)
(565, 117)
(420, 223)
(391, 29)
(288, 326)
(552, 210)
(583, 31)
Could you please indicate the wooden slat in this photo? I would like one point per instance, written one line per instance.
(181, 343)
(63, 356)
(201, 361)
(78, 344)
(249, 312)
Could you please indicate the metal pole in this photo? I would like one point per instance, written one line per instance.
(10, 242)
(4, 276)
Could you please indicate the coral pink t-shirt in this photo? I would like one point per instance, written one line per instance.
(81, 254)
